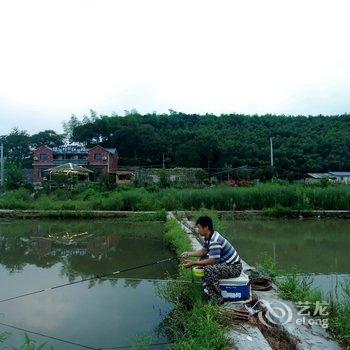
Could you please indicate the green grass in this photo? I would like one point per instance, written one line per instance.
(274, 199)
(266, 266)
(193, 323)
(298, 289)
(28, 344)
(292, 286)
(3, 336)
(278, 211)
(339, 317)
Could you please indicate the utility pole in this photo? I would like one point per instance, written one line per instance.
(2, 164)
(209, 155)
(163, 161)
(271, 151)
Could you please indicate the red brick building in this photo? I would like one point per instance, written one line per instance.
(97, 158)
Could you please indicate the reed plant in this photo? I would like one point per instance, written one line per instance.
(282, 198)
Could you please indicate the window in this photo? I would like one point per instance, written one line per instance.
(43, 156)
(97, 156)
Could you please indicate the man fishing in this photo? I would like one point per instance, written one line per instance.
(219, 258)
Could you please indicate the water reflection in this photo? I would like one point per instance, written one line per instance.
(319, 248)
(85, 252)
(41, 254)
(311, 246)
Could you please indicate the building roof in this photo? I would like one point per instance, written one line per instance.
(69, 168)
(124, 172)
(73, 149)
(318, 175)
(111, 150)
(340, 173)
(69, 149)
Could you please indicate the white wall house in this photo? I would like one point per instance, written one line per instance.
(336, 176)
(341, 176)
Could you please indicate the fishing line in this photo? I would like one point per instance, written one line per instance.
(76, 344)
(88, 279)
(132, 346)
(48, 336)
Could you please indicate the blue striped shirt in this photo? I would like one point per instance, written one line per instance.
(221, 250)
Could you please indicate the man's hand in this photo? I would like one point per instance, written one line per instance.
(188, 264)
(185, 255)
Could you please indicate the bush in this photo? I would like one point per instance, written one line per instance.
(113, 202)
(132, 198)
(16, 199)
(106, 182)
(278, 211)
(62, 194)
(14, 177)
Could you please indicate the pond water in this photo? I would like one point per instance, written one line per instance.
(101, 313)
(319, 248)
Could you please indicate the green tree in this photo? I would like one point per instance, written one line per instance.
(48, 138)
(164, 180)
(17, 147)
(301, 144)
(14, 177)
(70, 126)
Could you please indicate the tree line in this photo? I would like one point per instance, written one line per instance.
(301, 144)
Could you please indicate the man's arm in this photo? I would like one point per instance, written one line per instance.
(200, 263)
(197, 253)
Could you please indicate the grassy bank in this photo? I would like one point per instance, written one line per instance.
(132, 216)
(193, 323)
(292, 286)
(296, 288)
(259, 197)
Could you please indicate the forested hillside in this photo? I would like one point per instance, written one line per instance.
(301, 144)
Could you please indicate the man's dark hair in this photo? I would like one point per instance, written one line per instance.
(205, 221)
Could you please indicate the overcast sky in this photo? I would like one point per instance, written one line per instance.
(61, 57)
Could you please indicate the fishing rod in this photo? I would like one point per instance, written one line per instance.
(151, 280)
(89, 279)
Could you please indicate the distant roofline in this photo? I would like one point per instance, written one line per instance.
(329, 174)
(340, 173)
(79, 149)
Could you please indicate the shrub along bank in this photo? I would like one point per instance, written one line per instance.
(279, 197)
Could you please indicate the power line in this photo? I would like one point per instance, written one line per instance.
(88, 279)
(83, 280)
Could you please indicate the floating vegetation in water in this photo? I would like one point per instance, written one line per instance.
(67, 235)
